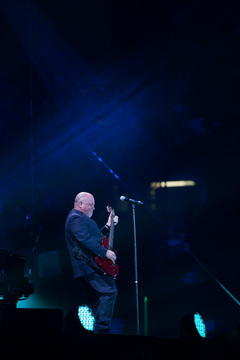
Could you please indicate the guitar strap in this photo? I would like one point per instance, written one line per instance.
(80, 255)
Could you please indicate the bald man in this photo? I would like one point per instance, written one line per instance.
(83, 233)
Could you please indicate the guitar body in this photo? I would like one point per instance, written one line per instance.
(106, 264)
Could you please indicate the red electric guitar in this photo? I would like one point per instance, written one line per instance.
(106, 264)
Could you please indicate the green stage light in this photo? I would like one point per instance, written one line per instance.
(86, 317)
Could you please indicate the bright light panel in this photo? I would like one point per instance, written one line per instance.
(200, 325)
(178, 183)
(86, 317)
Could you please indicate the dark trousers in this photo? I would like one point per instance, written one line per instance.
(101, 293)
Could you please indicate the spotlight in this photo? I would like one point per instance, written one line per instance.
(79, 320)
(192, 326)
(86, 317)
(200, 325)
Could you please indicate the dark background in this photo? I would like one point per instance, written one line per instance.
(108, 97)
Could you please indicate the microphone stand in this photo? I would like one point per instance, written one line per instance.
(135, 264)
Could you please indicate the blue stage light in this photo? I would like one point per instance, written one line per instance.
(86, 317)
(192, 326)
(200, 325)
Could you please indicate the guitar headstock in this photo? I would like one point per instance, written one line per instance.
(110, 210)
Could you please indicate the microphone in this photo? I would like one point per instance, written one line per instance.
(123, 198)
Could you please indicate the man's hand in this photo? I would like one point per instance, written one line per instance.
(111, 255)
(115, 220)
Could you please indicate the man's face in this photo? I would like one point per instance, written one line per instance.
(88, 205)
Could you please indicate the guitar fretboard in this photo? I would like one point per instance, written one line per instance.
(111, 233)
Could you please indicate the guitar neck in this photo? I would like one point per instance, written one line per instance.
(111, 235)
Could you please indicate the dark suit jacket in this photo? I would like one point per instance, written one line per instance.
(84, 232)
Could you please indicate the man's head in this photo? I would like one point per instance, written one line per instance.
(85, 203)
